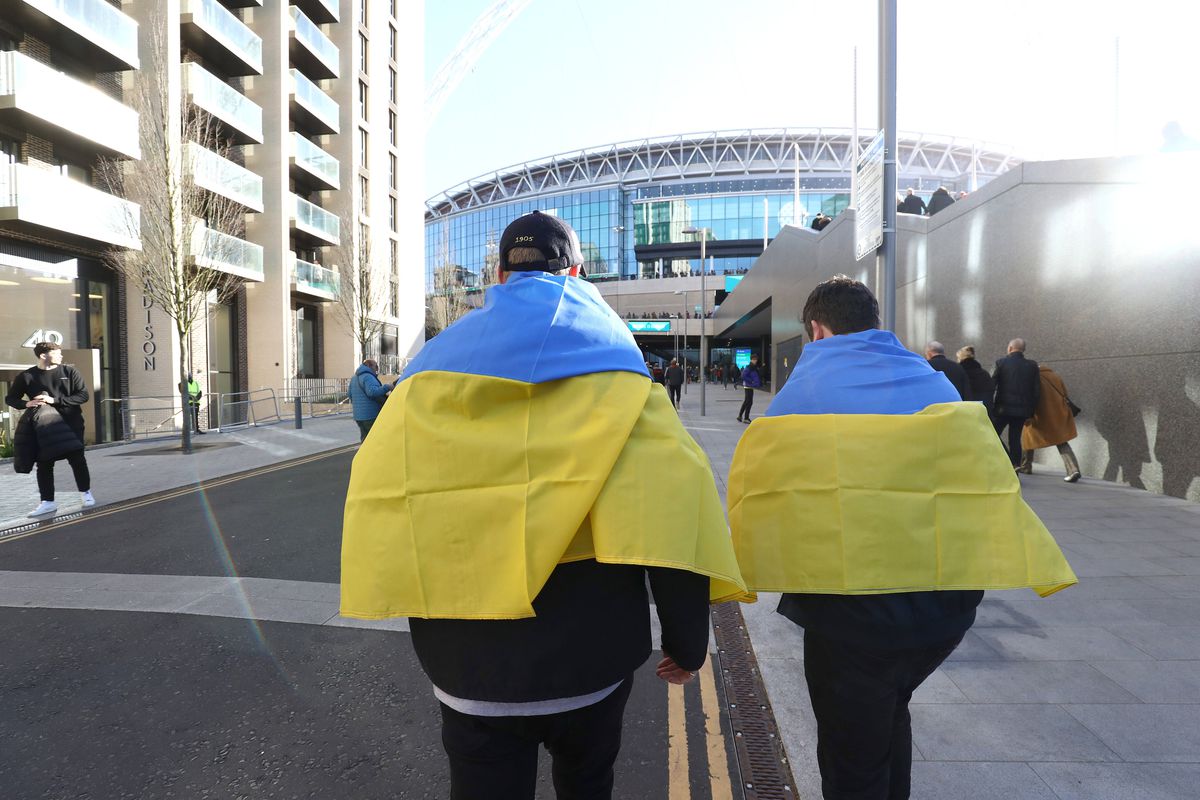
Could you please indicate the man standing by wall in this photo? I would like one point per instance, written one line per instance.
(882, 547)
(1018, 388)
(521, 545)
(367, 396)
(51, 427)
(935, 354)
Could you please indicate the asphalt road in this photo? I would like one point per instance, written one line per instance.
(110, 704)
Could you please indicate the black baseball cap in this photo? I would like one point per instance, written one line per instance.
(555, 239)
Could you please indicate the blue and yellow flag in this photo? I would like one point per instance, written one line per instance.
(526, 435)
(868, 476)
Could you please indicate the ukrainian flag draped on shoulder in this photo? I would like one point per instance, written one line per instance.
(867, 475)
(526, 435)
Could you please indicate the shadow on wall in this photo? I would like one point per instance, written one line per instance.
(1175, 444)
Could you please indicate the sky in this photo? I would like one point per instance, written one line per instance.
(1050, 79)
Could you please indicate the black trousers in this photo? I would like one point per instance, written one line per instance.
(674, 392)
(364, 427)
(860, 699)
(744, 411)
(195, 418)
(1014, 425)
(45, 475)
(495, 758)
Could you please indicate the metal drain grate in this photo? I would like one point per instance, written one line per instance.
(765, 773)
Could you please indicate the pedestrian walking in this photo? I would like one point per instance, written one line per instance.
(658, 375)
(836, 499)
(1018, 389)
(983, 388)
(935, 354)
(367, 396)
(1052, 425)
(911, 204)
(51, 427)
(751, 380)
(939, 200)
(521, 542)
(192, 387)
(674, 379)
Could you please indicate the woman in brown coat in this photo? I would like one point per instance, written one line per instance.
(1052, 424)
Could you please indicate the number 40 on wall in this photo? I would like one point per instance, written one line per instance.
(54, 337)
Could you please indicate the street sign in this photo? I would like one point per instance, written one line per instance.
(868, 216)
(741, 357)
(649, 325)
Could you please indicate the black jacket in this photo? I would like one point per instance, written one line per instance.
(675, 376)
(50, 432)
(1018, 386)
(884, 621)
(592, 630)
(983, 388)
(956, 374)
(911, 204)
(938, 200)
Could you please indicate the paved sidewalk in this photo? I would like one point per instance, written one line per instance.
(125, 471)
(1089, 694)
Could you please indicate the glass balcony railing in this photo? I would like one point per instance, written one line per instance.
(222, 176)
(227, 104)
(319, 10)
(47, 199)
(222, 27)
(315, 279)
(65, 103)
(219, 251)
(312, 99)
(315, 161)
(97, 22)
(315, 221)
(323, 51)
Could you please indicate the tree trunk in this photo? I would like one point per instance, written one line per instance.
(183, 392)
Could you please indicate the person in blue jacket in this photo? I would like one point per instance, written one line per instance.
(367, 395)
(751, 380)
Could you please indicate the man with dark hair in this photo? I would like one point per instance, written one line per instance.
(882, 547)
(367, 396)
(52, 426)
(751, 381)
(1018, 387)
(521, 542)
(911, 204)
(674, 378)
(935, 354)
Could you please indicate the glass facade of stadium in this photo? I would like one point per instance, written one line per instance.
(631, 202)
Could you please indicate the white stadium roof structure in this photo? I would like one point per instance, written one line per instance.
(716, 155)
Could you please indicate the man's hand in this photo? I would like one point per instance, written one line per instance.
(34, 403)
(671, 672)
(44, 398)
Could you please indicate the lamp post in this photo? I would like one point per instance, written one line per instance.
(703, 309)
(684, 292)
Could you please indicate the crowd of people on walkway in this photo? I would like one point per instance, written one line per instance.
(941, 199)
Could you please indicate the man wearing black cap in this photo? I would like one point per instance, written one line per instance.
(534, 399)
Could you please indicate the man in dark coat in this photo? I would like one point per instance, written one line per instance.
(983, 388)
(1018, 387)
(911, 204)
(51, 428)
(674, 381)
(935, 354)
(939, 199)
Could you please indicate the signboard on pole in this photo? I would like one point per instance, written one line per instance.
(741, 357)
(868, 217)
(649, 325)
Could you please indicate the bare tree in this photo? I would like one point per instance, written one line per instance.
(185, 229)
(455, 292)
(364, 288)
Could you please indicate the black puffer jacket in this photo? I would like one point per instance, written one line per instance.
(43, 435)
(982, 386)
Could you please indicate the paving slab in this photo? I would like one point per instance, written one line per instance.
(1153, 733)
(1016, 732)
(1059, 643)
(941, 780)
(1120, 781)
(1036, 682)
(1157, 682)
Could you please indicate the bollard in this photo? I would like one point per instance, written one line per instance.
(299, 414)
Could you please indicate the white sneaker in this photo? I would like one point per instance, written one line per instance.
(88, 500)
(44, 507)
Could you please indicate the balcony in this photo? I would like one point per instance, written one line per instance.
(38, 98)
(310, 107)
(239, 117)
(45, 203)
(310, 49)
(224, 253)
(315, 280)
(222, 176)
(312, 165)
(319, 11)
(215, 32)
(95, 32)
(315, 222)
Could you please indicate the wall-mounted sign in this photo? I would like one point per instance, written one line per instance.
(649, 325)
(54, 337)
(731, 282)
(741, 357)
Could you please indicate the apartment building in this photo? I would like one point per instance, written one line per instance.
(303, 93)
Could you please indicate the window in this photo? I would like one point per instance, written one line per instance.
(362, 53)
(393, 8)
(392, 42)
(363, 203)
(392, 127)
(10, 150)
(392, 170)
(362, 147)
(392, 213)
(362, 11)
(362, 99)
(394, 297)
(392, 85)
